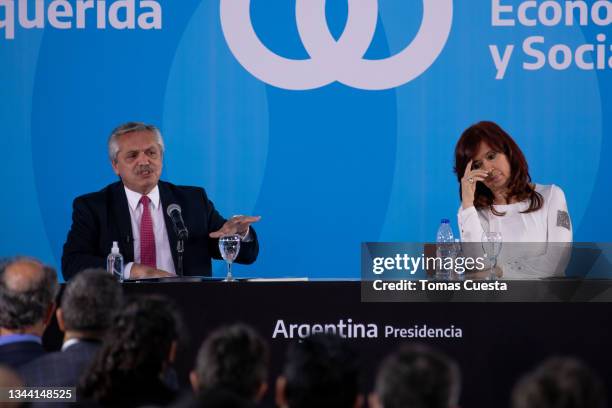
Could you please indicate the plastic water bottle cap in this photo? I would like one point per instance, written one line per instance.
(445, 221)
(115, 248)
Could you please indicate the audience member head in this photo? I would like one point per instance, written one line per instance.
(233, 358)
(320, 371)
(27, 296)
(417, 376)
(88, 304)
(560, 383)
(138, 347)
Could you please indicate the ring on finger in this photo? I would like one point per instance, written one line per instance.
(471, 180)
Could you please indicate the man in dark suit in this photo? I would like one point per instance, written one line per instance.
(88, 305)
(27, 300)
(133, 212)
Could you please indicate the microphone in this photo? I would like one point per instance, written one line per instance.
(174, 212)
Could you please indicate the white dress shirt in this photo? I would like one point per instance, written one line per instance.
(535, 244)
(71, 342)
(163, 254)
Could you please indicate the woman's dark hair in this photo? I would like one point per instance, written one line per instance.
(135, 350)
(519, 185)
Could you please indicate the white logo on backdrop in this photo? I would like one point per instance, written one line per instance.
(340, 60)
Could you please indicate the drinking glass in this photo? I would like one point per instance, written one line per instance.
(492, 245)
(229, 246)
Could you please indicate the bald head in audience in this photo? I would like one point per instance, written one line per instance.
(27, 296)
(27, 300)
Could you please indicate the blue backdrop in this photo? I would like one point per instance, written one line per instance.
(326, 168)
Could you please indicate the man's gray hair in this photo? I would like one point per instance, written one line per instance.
(129, 127)
(90, 300)
(26, 304)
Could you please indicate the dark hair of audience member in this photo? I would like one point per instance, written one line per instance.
(134, 354)
(234, 358)
(560, 382)
(417, 376)
(25, 303)
(321, 371)
(90, 301)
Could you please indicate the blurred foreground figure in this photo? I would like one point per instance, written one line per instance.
(320, 371)
(85, 313)
(27, 301)
(560, 382)
(231, 370)
(137, 352)
(417, 376)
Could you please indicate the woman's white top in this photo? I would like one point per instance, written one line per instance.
(530, 248)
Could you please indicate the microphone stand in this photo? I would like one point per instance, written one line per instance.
(174, 212)
(180, 248)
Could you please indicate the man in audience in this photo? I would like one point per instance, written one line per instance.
(232, 364)
(27, 300)
(321, 371)
(416, 376)
(86, 311)
(560, 383)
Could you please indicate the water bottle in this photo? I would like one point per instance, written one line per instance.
(445, 248)
(114, 262)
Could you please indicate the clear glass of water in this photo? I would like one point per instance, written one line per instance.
(229, 246)
(492, 245)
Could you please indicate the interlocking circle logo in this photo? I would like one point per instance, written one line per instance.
(332, 60)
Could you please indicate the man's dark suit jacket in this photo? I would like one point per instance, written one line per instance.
(61, 368)
(100, 218)
(19, 353)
